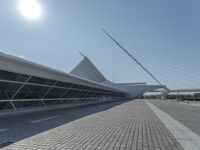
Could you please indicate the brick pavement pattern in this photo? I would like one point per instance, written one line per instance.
(188, 115)
(129, 126)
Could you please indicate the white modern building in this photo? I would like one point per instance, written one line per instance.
(25, 85)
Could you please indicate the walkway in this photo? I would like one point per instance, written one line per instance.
(129, 126)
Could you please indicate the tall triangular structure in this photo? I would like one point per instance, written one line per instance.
(87, 70)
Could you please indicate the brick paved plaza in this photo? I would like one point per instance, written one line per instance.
(188, 115)
(131, 125)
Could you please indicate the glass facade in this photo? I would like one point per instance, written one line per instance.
(24, 91)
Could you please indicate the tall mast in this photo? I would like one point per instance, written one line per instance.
(132, 57)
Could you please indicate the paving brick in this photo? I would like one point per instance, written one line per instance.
(129, 126)
(188, 115)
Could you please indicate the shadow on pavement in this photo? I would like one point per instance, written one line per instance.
(21, 126)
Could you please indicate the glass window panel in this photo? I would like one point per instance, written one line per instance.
(81, 94)
(71, 93)
(5, 75)
(25, 104)
(31, 92)
(85, 100)
(86, 88)
(103, 94)
(90, 94)
(69, 102)
(7, 90)
(76, 86)
(89, 100)
(55, 93)
(73, 101)
(106, 94)
(39, 80)
(96, 95)
(95, 89)
(63, 84)
(99, 91)
(5, 106)
(53, 102)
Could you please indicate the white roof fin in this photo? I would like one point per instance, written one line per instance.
(86, 69)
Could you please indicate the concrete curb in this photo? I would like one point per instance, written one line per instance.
(187, 138)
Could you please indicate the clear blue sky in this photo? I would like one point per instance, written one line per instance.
(163, 35)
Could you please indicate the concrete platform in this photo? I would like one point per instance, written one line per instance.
(127, 126)
(188, 115)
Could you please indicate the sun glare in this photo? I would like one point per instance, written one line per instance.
(30, 9)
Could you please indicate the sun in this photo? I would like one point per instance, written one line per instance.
(30, 9)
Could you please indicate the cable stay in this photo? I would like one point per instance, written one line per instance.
(132, 57)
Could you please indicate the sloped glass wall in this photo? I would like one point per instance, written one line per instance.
(24, 91)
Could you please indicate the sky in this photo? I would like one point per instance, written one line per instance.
(163, 35)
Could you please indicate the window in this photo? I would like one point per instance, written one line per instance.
(63, 84)
(24, 104)
(55, 93)
(53, 102)
(89, 94)
(5, 105)
(75, 86)
(31, 92)
(5, 75)
(7, 90)
(38, 80)
(81, 94)
(71, 93)
(36, 88)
